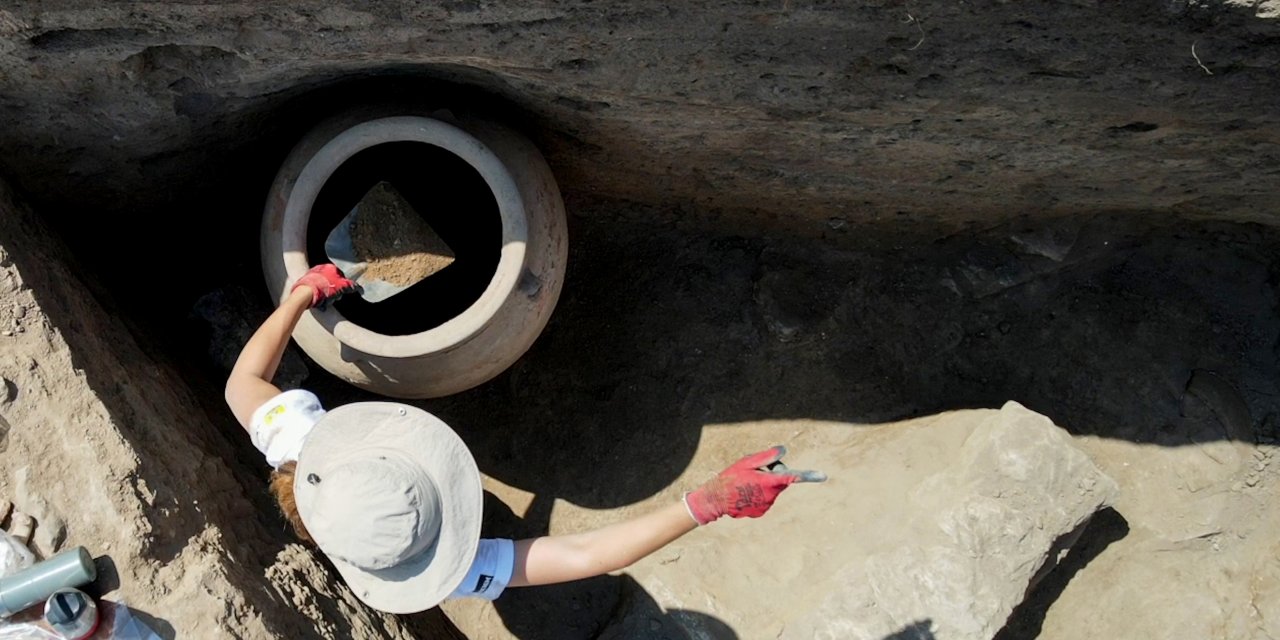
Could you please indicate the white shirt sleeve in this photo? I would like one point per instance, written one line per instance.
(490, 572)
(280, 426)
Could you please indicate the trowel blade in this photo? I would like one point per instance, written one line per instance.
(342, 253)
(386, 205)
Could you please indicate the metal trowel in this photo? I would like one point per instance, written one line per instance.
(385, 246)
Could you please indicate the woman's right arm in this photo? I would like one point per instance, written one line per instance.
(249, 385)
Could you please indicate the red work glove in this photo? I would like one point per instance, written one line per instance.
(747, 488)
(326, 282)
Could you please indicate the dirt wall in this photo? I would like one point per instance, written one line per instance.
(789, 113)
(109, 444)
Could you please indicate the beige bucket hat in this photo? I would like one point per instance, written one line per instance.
(392, 496)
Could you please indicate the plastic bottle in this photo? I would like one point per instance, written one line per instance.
(35, 584)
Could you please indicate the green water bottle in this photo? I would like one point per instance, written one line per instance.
(36, 583)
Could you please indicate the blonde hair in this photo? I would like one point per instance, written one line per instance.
(282, 488)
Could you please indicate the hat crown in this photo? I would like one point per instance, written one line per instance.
(376, 511)
(403, 535)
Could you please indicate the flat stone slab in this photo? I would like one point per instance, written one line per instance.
(932, 528)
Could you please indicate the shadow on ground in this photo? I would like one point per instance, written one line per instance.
(604, 607)
(1105, 527)
(660, 332)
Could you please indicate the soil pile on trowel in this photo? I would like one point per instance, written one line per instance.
(385, 246)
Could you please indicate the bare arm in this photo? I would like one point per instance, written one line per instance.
(747, 489)
(552, 559)
(249, 385)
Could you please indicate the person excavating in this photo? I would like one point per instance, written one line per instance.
(392, 495)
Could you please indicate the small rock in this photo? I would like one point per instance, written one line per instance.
(1252, 481)
(49, 535)
(987, 270)
(5, 508)
(20, 527)
(8, 392)
(836, 224)
(782, 327)
(1004, 328)
(654, 625)
(1053, 243)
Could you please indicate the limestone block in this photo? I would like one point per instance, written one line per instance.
(934, 528)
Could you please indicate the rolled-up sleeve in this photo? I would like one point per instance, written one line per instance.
(280, 426)
(490, 572)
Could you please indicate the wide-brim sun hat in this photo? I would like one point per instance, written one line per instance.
(392, 496)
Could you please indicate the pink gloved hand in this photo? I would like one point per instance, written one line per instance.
(326, 282)
(747, 488)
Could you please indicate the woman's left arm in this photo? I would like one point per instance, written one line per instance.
(552, 559)
(747, 489)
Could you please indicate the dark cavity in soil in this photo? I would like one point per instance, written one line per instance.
(452, 197)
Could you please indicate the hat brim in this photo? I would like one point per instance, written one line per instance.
(426, 579)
